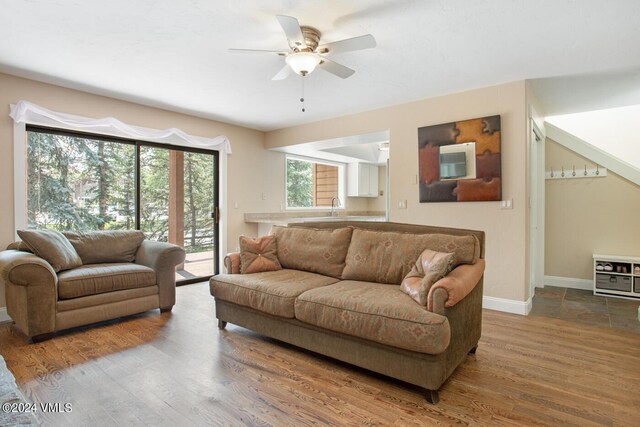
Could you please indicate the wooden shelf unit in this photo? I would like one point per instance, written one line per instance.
(623, 280)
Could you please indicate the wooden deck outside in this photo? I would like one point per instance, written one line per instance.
(196, 265)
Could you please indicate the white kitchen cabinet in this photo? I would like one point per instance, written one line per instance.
(362, 180)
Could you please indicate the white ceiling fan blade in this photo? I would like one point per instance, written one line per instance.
(283, 74)
(292, 30)
(277, 52)
(348, 45)
(335, 68)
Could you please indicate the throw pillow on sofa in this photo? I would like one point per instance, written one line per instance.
(97, 247)
(430, 267)
(258, 255)
(53, 247)
(312, 249)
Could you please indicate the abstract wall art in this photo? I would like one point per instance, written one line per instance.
(460, 161)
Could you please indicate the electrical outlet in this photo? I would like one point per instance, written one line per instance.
(264, 196)
(506, 204)
(402, 204)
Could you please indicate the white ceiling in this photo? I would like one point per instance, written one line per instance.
(363, 148)
(615, 131)
(173, 54)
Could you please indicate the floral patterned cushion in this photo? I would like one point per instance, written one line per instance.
(314, 250)
(387, 257)
(376, 312)
(430, 267)
(259, 254)
(272, 292)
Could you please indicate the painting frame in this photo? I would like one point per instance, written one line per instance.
(485, 184)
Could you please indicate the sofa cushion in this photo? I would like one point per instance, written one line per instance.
(311, 249)
(430, 267)
(272, 292)
(94, 279)
(387, 257)
(259, 254)
(53, 247)
(376, 312)
(96, 247)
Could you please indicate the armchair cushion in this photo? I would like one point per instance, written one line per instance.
(99, 278)
(53, 247)
(96, 247)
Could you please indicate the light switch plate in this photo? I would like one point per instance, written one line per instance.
(402, 204)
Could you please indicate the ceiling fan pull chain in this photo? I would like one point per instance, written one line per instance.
(302, 98)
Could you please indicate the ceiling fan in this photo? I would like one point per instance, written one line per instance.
(307, 53)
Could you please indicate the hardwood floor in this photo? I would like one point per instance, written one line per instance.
(178, 369)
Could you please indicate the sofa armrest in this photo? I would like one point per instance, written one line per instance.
(457, 284)
(31, 289)
(438, 300)
(26, 269)
(232, 263)
(163, 259)
(465, 321)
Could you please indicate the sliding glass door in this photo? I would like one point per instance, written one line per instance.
(179, 207)
(91, 182)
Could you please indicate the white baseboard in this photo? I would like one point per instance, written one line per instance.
(568, 282)
(507, 305)
(4, 317)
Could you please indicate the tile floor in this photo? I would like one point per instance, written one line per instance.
(583, 307)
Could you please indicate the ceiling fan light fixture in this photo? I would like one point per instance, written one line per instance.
(303, 63)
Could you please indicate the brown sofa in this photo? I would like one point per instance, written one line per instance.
(115, 274)
(338, 294)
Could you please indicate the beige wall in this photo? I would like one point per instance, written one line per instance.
(252, 170)
(586, 216)
(505, 229)
(250, 167)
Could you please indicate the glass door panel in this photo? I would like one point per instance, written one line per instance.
(79, 183)
(178, 200)
(199, 231)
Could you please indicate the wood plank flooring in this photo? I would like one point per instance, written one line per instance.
(178, 369)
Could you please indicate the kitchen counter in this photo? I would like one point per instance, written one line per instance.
(266, 220)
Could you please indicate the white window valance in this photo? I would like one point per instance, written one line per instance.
(27, 112)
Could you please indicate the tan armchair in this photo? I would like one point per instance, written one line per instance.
(120, 274)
